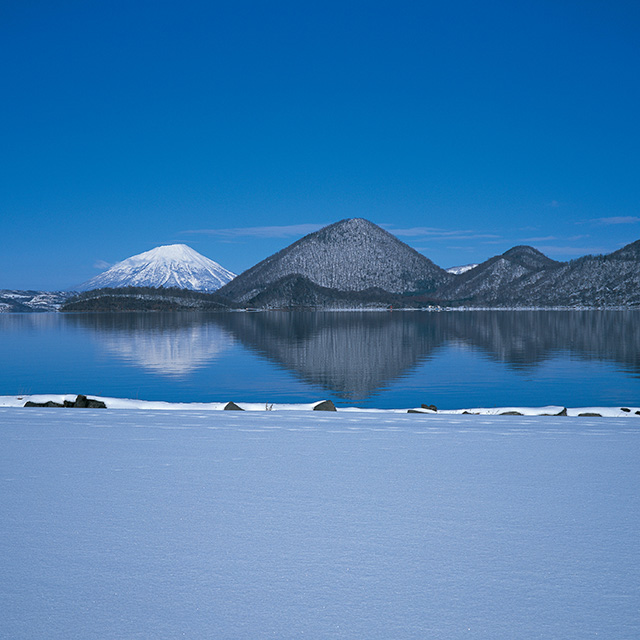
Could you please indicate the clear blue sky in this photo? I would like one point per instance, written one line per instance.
(235, 127)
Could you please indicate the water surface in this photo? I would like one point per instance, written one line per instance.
(379, 359)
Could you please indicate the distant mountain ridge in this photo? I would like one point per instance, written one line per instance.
(524, 277)
(19, 301)
(349, 255)
(318, 272)
(353, 264)
(175, 265)
(487, 282)
(611, 280)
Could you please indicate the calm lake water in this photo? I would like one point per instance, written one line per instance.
(368, 359)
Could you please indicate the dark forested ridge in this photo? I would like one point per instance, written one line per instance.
(354, 263)
(603, 281)
(146, 299)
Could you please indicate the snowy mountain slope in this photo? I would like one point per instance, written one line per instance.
(14, 301)
(350, 255)
(611, 280)
(175, 265)
(524, 277)
(486, 282)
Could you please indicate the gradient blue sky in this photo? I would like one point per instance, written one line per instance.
(463, 127)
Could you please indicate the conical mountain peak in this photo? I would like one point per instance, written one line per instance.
(350, 255)
(528, 257)
(175, 265)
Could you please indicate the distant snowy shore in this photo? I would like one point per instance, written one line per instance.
(157, 405)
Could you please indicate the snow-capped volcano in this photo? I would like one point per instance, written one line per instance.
(174, 265)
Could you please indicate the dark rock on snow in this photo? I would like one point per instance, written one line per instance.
(50, 403)
(81, 402)
(561, 413)
(325, 405)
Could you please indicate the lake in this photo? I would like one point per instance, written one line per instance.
(368, 359)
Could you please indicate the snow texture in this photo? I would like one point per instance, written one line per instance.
(200, 524)
(17, 301)
(175, 265)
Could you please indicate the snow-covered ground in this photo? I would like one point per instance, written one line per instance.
(141, 523)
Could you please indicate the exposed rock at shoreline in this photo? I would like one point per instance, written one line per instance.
(325, 405)
(81, 402)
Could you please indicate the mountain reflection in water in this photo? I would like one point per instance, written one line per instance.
(355, 354)
(170, 344)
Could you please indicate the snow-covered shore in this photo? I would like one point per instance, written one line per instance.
(156, 405)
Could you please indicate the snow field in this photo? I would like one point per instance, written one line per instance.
(292, 524)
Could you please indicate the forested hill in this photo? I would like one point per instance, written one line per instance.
(350, 255)
(146, 299)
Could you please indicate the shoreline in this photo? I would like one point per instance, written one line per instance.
(443, 309)
(19, 401)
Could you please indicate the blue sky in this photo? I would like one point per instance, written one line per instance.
(463, 127)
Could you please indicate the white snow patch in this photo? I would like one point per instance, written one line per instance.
(462, 269)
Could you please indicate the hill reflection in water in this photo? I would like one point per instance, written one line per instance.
(356, 354)
(351, 354)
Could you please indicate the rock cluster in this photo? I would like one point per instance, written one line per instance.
(81, 402)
